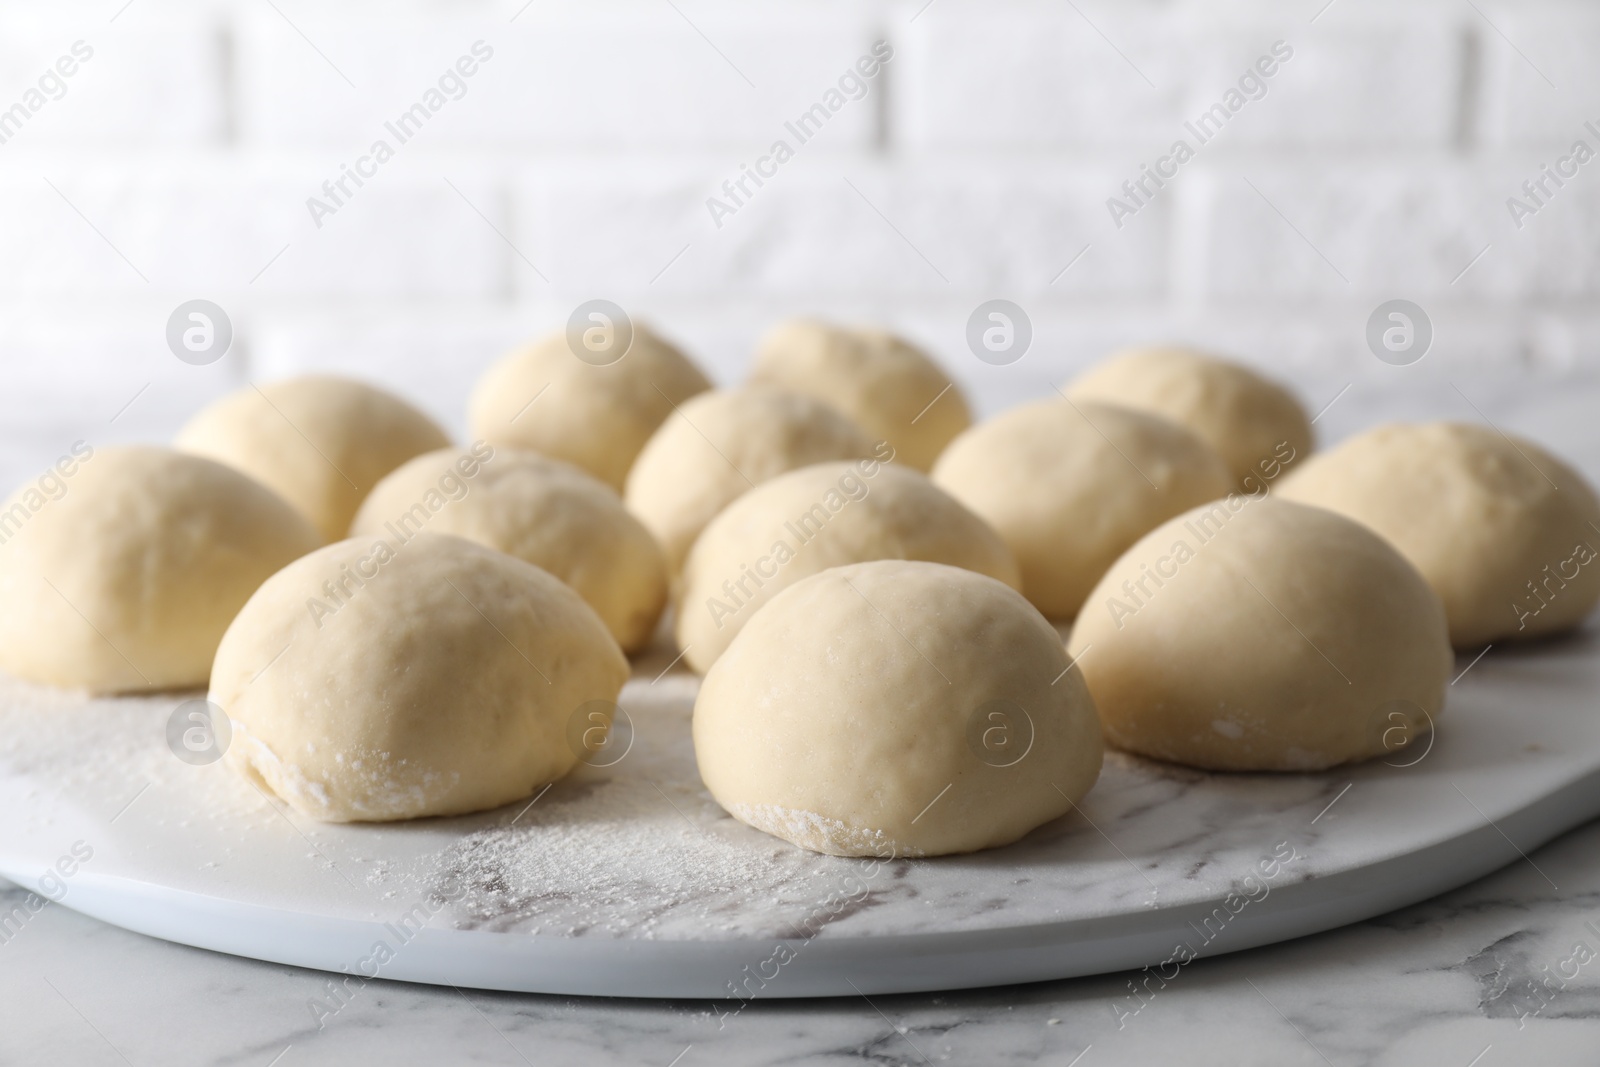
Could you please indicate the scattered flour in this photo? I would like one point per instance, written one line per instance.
(637, 850)
(820, 833)
(620, 855)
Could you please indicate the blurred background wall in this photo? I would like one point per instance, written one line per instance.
(576, 161)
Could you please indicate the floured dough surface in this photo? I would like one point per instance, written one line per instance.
(801, 523)
(1070, 486)
(370, 682)
(541, 510)
(896, 708)
(1253, 634)
(122, 567)
(722, 443)
(1250, 420)
(818, 833)
(1507, 534)
(320, 442)
(544, 398)
(883, 382)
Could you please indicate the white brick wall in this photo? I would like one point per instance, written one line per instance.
(578, 159)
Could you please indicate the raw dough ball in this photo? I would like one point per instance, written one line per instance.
(1252, 422)
(367, 682)
(893, 390)
(722, 443)
(1070, 487)
(1258, 635)
(597, 417)
(321, 442)
(1510, 555)
(150, 554)
(814, 518)
(538, 509)
(896, 708)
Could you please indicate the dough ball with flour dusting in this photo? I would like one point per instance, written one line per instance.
(1070, 486)
(1506, 533)
(369, 682)
(896, 708)
(594, 411)
(1252, 634)
(808, 520)
(722, 443)
(320, 442)
(539, 509)
(120, 568)
(894, 390)
(1250, 420)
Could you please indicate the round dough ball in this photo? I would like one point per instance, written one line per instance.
(368, 682)
(541, 510)
(121, 568)
(890, 388)
(1070, 486)
(545, 398)
(320, 442)
(896, 708)
(1479, 514)
(808, 520)
(724, 442)
(1259, 635)
(1254, 424)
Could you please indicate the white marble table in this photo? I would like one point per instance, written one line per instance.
(1470, 979)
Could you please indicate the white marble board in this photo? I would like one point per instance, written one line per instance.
(630, 881)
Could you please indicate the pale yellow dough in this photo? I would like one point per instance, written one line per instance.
(126, 574)
(434, 677)
(541, 510)
(1260, 635)
(1070, 486)
(722, 443)
(889, 387)
(808, 520)
(1506, 533)
(320, 442)
(543, 397)
(1250, 420)
(896, 708)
